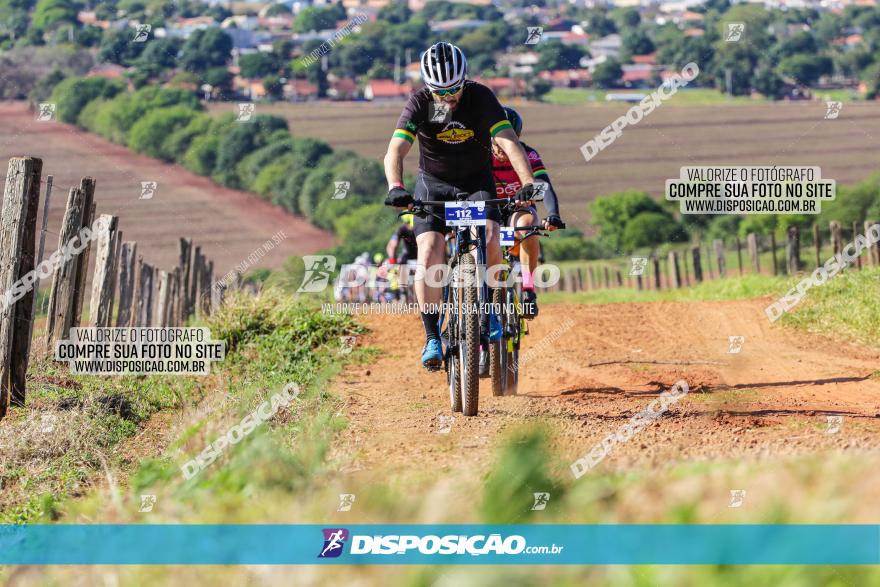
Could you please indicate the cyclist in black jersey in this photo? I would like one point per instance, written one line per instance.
(455, 120)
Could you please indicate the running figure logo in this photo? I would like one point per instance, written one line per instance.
(46, 112)
(638, 266)
(541, 500)
(142, 34)
(147, 503)
(832, 110)
(534, 35)
(346, 500)
(318, 271)
(735, 344)
(835, 423)
(735, 31)
(246, 111)
(737, 497)
(341, 190)
(334, 541)
(439, 111)
(148, 190)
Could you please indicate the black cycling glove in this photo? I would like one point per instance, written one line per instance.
(555, 220)
(526, 192)
(399, 198)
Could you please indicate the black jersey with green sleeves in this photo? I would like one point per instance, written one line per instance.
(459, 145)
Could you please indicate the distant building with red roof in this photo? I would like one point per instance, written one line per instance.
(385, 89)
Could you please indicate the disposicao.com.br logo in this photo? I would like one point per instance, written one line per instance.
(451, 544)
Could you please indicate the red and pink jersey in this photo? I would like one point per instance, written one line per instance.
(507, 181)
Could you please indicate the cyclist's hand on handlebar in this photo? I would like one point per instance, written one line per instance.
(399, 198)
(553, 222)
(525, 193)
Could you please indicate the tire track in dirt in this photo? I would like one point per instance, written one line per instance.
(770, 399)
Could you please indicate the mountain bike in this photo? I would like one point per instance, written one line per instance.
(464, 299)
(504, 353)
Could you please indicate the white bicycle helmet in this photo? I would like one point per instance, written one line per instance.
(443, 66)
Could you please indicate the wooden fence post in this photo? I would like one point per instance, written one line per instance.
(607, 278)
(698, 266)
(62, 296)
(709, 261)
(18, 234)
(145, 295)
(185, 276)
(40, 250)
(174, 307)
(101, 304)
(619, 279)
(591, 282)
(817, 243)
(87, 186)
(719, 257)
(773, 250)
(164, 298)
(684, 264)
(855, 232)
(739, 257)
(835, 236)
(793, 250)
(872, 249)
(754, 254)
(195, 275)
(656, 263)
(674, 273)
(127, 267)
(209, 280)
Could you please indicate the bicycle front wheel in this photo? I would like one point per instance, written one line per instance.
(469, 335)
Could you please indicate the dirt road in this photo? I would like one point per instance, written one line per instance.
(228, 224)
(772, 398)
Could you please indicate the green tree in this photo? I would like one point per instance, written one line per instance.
(257, 65)
(768, 82)
(150, 134)
(241, 140)
(612, 213)
(649, 229)
(607, 74)
(274, 87)
(637, 43)
(50, 13)
(315, 18)
(160, 53)
(806, 69)
(116, 47)
(556, 55)
(71, 95)
(599, 25)
(206, 48)
(395, 12)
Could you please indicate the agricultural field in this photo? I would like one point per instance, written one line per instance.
(228, 224)
(646, 154)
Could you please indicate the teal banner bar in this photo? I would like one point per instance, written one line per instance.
(371, 544)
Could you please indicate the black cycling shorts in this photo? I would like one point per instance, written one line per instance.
(428, 187)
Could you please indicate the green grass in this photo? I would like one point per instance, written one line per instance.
(686, 97)
(56, 446)
(847, 307)
(735, 288)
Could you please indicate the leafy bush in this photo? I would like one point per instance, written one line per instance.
(240, 141)
(73, 94)
(150, 134)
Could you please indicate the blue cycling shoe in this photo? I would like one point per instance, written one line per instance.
(494, 328)
(432, 354)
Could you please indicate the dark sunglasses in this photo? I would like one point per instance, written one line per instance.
(449, 92)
